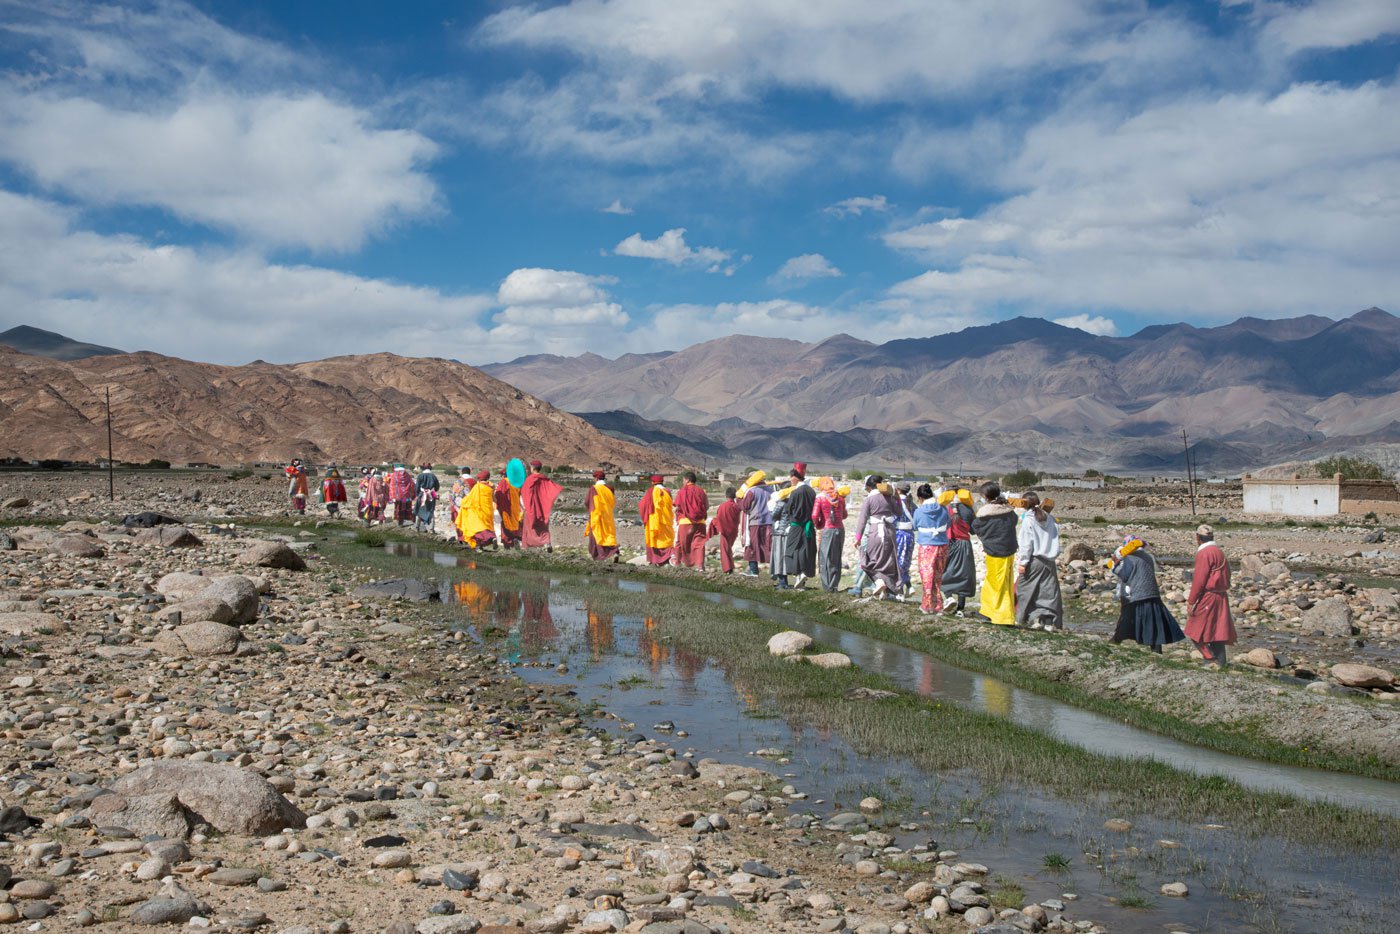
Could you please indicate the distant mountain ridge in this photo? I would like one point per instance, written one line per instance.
(1252, 388)
(32, 340)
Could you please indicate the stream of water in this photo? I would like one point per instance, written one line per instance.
(1236, 883)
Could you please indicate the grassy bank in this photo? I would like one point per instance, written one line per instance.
(938, 737)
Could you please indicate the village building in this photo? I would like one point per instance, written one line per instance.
(1319, 496)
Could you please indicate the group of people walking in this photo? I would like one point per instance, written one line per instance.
(797, 528)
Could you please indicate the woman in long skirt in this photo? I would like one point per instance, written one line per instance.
(1039, 604)
(960, 568)
(875, 532)
(995, 527)
(931, 522)
(1142, 617)
(829, 516)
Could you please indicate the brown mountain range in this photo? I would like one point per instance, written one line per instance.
(1052, 396)
(359, 409)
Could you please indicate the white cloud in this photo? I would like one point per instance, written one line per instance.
(616, 208)
(276, 169)
(858, 206)
(805, 267)
(1208, 205)
(534, 286)
(1329, 24)
(1094, 324)
(670, 247)
(896, 48)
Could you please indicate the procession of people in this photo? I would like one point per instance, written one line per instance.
(1004, 549)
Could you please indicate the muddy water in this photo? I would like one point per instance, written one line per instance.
(1236, 884)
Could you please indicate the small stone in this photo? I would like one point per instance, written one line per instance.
(789, 643)
(32, 888)
(1175, 889)
(392, 859)
(1117, 825)
(233, 877)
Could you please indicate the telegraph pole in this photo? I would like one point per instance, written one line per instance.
(111, 481)
(1190, 478)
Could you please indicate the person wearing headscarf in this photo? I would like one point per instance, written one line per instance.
(476, 520)
(692, 512)
(960, 568)
(778, 511)
(659, 519)
(537, 496)
(1039, 604)
(426, 497)
(724, 528)
(460, 487)
(904, 537)
(297, 485)
(401, 493)
(875, 536)
(599, 504)
(333, 492)
(1142, 616)
(377, 497)
(931, 521)
(801, 539)
(829, 517)
(995, 527)
(507, 499)
(1208, 621)
(758, 521)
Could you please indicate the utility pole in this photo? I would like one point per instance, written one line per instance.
(1190, 479)
(111, 481)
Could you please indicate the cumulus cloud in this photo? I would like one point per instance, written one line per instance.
(1094, 324)
(554, 299)
(877, 204)
(670, 247)
(276, 169)
(616, 208)
(806, 267)
(1221, 205)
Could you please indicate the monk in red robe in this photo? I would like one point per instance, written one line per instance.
(1209, 624)
(692, 509)
(537, 496)
(512, 514)
(725, 527)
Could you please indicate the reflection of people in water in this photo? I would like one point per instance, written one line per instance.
(600, 634)
(997, 696)
(649, 647)
(475, 598)
(537, 629)
(688, 665)
(929, 679)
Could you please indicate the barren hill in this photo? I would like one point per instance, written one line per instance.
(359, 409)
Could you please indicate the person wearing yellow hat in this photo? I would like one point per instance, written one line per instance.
(758, 521)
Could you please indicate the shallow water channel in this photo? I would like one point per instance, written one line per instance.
(1237, 883)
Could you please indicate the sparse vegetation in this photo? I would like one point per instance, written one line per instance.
(1019, 479)
(1351, 468)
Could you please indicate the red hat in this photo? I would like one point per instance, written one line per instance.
(599, 474)
(483, 475)
(536, 464)
(801, 469)
(657, 478)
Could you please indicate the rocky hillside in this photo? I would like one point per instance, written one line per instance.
(360, 409)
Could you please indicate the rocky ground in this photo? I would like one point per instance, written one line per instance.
(206, 728)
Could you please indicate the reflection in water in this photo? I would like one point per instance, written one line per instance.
(650, 647)
(600, 634)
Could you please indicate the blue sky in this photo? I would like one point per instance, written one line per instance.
(286, 181)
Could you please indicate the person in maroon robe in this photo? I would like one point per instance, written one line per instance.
(725, 527)
(507, 500)
(537, 496)
(692, 510)
(1209, 624)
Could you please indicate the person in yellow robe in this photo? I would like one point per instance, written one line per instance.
(511, 510)
(600, 503)
(476, 520)
(659, 516)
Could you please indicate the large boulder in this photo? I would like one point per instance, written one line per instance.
(272, 555)
(1382, 598)
(238, 592)
(181, 585)
(1260, 658)
(1081, 551)
(225, 797)
(148, 520)
(76, 546)
(1362, 676)
(168, 536)
(206, 638)
(1256, 568)
(789, 643)
(159, 814)
(199, 608)
(1332, 616)
(28, 623)
(829, 660)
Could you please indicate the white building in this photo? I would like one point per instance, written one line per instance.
(1298, 496)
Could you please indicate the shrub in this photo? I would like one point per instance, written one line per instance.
(1090, 474)
(1351, 468)
(1019, 479)
(156, 463)
(371, 538)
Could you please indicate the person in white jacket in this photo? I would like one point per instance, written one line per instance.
(1038, 601)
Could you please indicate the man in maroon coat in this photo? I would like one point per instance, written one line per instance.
(692, 509)
(725, 527)
(1209, 624)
